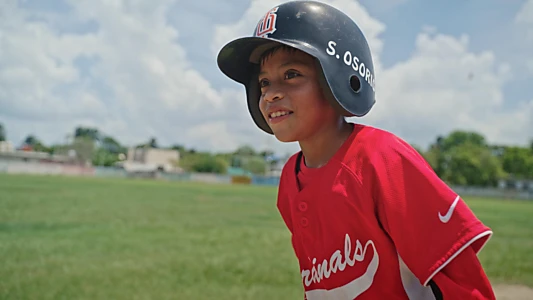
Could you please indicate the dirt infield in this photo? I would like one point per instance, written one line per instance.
(513, 292)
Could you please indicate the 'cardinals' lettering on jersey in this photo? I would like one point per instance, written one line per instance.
(376, 222)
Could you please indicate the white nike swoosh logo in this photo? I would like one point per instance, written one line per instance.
(448, 215)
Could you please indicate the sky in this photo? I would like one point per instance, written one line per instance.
(139, 69)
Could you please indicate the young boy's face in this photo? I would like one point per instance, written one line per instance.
(291, 98)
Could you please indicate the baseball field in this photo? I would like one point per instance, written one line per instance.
(93, 238)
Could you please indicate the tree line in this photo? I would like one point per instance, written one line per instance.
(459, 158)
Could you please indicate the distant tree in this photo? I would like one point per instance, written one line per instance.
(236, 161)
(153, 143)
(255, 165)
(91, 133)
(84, 147)
(33, 143)
(2, 133)
(465, 158)
(179, 148)
(203, 163)
(111, 145)
(102, 157)
(460, 137)
(518, 161)
(266, 153)
(31, 140)
(472, 165)
(437, 158)
(59, 149)
(40, 147)
(245, 151)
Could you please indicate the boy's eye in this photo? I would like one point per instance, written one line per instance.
(263, 83)
(291, 74)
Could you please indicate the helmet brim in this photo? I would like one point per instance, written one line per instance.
(239, 58)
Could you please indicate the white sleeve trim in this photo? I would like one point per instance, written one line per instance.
(479, 236)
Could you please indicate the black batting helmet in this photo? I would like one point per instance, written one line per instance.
(336, 42)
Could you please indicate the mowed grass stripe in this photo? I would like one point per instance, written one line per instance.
(95, 238)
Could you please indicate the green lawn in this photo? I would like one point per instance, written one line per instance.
(89, 238)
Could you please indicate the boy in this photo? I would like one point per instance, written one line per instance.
(368, 216)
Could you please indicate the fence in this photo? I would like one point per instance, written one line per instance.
(38, 168)
(493, 192)
(70, 170)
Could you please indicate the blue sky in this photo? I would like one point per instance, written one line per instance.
(488, 23)
(136, 69)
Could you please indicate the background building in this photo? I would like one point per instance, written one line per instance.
(151, 159)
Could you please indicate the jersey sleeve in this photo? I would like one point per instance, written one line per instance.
(427, 221)
(464, 278)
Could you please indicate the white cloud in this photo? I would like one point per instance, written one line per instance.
(524, 22)
(217, 132)
(149, 86)
(141, 83)
(371, 27)
(383, 6)
(530, 65)
(444, 86)
(31, 70)
(525, 13)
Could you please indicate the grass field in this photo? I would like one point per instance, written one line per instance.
(89, 238)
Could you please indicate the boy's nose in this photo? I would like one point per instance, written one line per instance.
(273, 95)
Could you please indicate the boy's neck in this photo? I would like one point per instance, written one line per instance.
(321, 147)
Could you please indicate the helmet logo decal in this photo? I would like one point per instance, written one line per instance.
(267, 25)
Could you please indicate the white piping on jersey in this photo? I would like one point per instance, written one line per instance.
(477, 237)
(351, 290)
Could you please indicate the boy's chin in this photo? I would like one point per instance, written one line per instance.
(285, 137)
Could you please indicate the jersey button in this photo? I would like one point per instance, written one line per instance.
(304, 222)
(302, 206)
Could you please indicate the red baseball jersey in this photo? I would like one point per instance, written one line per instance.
(375, 222)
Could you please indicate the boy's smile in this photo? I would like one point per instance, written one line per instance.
(278, 115)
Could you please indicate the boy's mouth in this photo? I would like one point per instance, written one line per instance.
(278, 114)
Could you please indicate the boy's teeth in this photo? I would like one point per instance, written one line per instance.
(278, 114)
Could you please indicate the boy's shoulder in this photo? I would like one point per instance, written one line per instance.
(366, 143)
(370, 143)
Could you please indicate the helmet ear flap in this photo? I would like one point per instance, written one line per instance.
(327, 91)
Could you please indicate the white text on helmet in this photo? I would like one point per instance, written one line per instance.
(352, 60)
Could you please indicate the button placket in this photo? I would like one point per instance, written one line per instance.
(303, 207)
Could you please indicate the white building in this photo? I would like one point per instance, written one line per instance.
(151, 159)
(6, 146)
